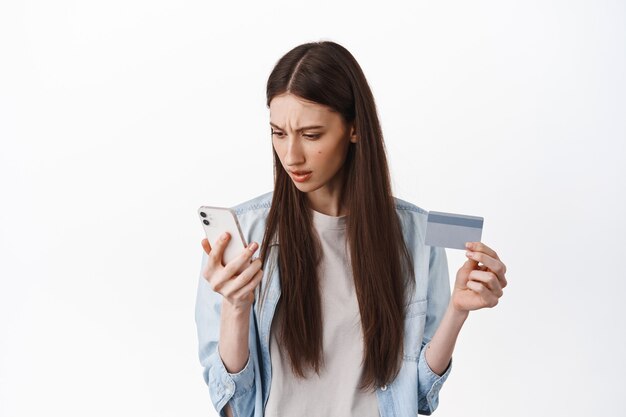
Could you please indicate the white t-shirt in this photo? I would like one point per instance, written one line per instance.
(335, 392)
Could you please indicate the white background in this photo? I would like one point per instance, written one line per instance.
(118, 119)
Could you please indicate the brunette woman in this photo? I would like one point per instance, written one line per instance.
(345, 312)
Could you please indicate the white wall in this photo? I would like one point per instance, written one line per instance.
(119, 118)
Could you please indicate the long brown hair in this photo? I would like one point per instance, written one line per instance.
(326, 73)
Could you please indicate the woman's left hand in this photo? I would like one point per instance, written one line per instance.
(477, 286)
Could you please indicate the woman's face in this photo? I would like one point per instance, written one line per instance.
(309, 138)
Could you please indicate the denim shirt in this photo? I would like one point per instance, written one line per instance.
(416, 387)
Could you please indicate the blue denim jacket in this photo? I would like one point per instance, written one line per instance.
(415, 389)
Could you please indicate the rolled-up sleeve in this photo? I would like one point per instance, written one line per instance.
(429, 383)
(236, 389)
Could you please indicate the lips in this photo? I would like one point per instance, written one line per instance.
(301, 176)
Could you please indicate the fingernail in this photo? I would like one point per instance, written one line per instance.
(468, 244)
(225, 236)
(468, 253)
(253, 246)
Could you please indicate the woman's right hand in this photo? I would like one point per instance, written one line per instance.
(236, 288)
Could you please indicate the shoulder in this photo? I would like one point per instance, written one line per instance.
(407, 209)
(252, 215)
(413, 222)
(256, 204)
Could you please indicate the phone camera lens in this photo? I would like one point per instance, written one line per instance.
(203, 214)
(205, 222)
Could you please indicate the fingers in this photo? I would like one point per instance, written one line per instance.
(250, 286)
(214, 264)
(489, 279)
(217, 252)
(234, 268)
(486, 280)
(481, 247)
(206, 246)
(234, 286)
(489, 299)
(237, 264)
(494, 265)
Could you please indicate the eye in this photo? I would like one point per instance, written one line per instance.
(278, 134)
(312, 137)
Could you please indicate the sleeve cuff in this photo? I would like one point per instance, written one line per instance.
(225, 385)
(244, 379)
(429, 384)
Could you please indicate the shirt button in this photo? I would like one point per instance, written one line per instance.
(384, 387)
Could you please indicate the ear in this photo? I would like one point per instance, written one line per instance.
(353, 136)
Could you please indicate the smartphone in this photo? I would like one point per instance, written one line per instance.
(217, 220)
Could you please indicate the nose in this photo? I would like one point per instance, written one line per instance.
(294, 154)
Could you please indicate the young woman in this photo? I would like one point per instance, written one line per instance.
(346, 312)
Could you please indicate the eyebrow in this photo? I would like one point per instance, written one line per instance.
(297, 130)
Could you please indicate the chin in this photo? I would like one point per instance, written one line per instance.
(306, 187)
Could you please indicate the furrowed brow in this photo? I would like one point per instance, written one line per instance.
(297, 130)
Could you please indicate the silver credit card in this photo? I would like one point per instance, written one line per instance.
(451, 230)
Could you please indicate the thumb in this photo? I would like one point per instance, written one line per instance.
(469, 265)
(462, 276)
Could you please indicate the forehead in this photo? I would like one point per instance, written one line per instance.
(292, 109)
